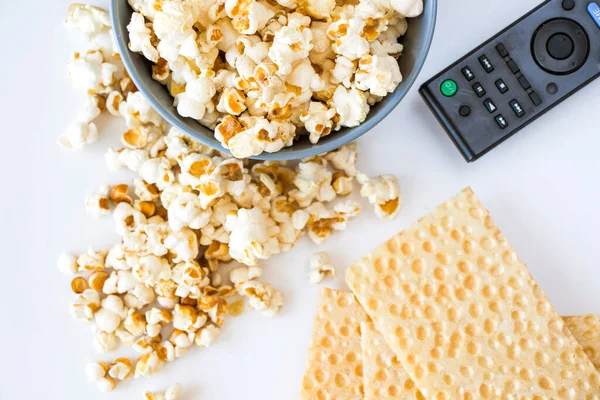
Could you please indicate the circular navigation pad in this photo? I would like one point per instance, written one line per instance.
(560, 46)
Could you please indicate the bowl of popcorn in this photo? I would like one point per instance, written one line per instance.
(274, 80)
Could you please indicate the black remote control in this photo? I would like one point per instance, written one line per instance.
(517, 75)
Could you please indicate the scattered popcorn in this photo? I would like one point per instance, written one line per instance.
(383, 192)
(320, 267)
(191, 209)
(171, 394)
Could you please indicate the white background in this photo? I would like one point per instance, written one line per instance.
(542, 188)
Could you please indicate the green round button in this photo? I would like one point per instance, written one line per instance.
(449, 88)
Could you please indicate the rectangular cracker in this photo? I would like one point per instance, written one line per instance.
(386, 379)
(464, 316)
(586, 330)
(334, 365)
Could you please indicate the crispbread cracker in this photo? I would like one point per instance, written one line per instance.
(386, 379)
(586, 330)
(384, 376)
(463, 314)
(334, 365)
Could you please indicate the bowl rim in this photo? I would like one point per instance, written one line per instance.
(121, 40)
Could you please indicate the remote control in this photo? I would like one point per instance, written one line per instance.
(517, 75)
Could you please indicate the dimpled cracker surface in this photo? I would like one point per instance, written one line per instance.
(384, 377)
(334, 365)
(465, 317)
(586, 330)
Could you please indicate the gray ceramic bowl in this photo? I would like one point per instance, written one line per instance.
(416, 46)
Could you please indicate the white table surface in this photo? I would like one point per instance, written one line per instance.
(541, 186)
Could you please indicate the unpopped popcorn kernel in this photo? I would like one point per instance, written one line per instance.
(320, 267)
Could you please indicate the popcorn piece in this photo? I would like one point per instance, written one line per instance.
(318, 120)
(194, 100)
(232, 102)
(207, 335)
(408, 8)
(262, 297)
(127, 218)
(89, 20)
(183, 245)
(171, 394)
(342, 185)
(379, 74)
(93, 107)
(67, 264)
(383, 192)
(105, 342)
(344, 159)
(318, 9)
(138, 111)
(120, 369)
(347, 34)
(191, 278)
(291, 43)
(248, 16)
(324, 222)
(85, 305)
(140, 296)
(151, 269)
(158, 171)
(320, 267)
(343, 71)
(140, 37)
(109, 316)
(78, 135)
(113, 102)
(156, 318)
(252, 236)
(91, 260)
(97, 204)
(148, 364)
(313, 182)
(130, 158)
(135, 323)
(351, 106)
(187, 211)
(145, 191)
(91, 74)
(186, 318)
(96, 371)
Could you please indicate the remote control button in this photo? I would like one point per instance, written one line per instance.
(449, 88)
(502, 50)
(479, 90)
(560, 46)
(535, 98)
(486, 64)
(501, 86)
(464, 111)
(501, 121)
(469, 75)
(594, 10)
(514, 104)
(524, 82)
(512, 65)
(568, 5)
(489, 104)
